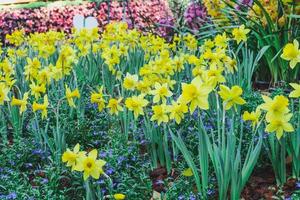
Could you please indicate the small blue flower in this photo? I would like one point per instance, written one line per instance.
(44, 181)
(100, 181)
(210, 192)
(102, 154)
(120, 159)
(180, 197)
(158, 182)
(12, 195)
(192, 197)
(28, 165)
(298, 185)
(4, 177)
(110, 171)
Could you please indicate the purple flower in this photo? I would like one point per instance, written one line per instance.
(166, 26)
(195, 16)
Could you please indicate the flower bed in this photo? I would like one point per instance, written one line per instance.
(137, 13)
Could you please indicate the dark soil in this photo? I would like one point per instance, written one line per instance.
(262, 185)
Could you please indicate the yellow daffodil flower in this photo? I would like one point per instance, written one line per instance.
(130, 81)
(177, 111)
(187, 172)
(296, 92)
(280, 125)
(90, 166)
(20, 102)
(291, 53)
(97, 97)
(221, 40)
(232, 96)
(32, 68)
(144, 86)
(136, 104)
(70, 95)
(43, 107)
(160, 114)
(276, 107)
(119, 196)
(37, 90)
(4, 90)
(252, 116)
(161, 92)
(72, 157)
(195, 93)
(214, 76)
(240, 34)
(114, 106)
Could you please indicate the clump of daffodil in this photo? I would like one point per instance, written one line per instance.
(269, 11)
(119, 196)
(195, 94)
(161, 92)
(97, 97)
(114, 106)
(90, 165)
(70, 95)
(252, 116)
(4, 90)
(42, 107)
(160, 114)
(291, 52)
(240, 34)
(296, 92)
(17, 37)
(278, 115)
(22, 103)
(136, 104)
(231, 96)
(72, 157)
